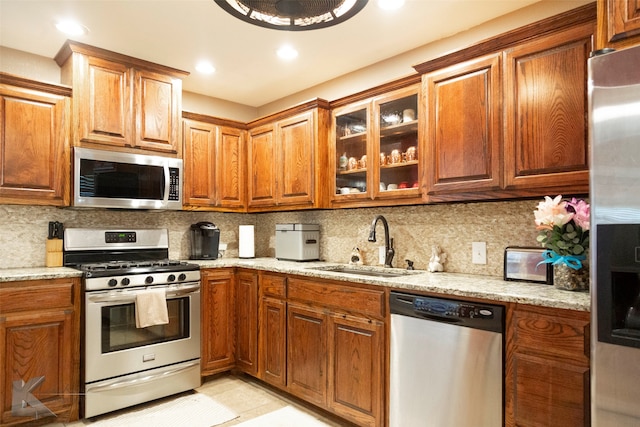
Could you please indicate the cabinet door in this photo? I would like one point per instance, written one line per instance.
(295, 161)
(549, 393)
(261, 166)
(396, 145)
(546, 142)
(621, 22)
(157, 111)
(199, 163)
(103, 102)
(307, 353)
(273, 341)
(247, 322)
(34, 141)
(464, 127)
(230, 170)
(356, 364)
(40, 347)
(217, 317)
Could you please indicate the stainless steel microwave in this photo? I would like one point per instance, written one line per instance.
(107, 179)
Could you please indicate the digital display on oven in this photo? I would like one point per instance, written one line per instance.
(119, 236)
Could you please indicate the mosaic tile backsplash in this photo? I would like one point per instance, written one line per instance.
(414, 229)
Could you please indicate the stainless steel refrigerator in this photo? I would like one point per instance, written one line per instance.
(614, 129)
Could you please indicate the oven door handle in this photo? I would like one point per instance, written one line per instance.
(117, 384)
(131, 296)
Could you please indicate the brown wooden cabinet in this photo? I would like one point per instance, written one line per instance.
(217, 318)
(377, 150)
(286, 155)
(507, 118)
(122, 102)
(356, 365)
(307, 353)
(213, 165)
(272, 330)
(546, 140)
(246, 319)
(335, 348)
(34, 142)
(547, 369)
(618, 23)
(40, 338)
(464, 122)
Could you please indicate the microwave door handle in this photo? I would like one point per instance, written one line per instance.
(167, 183)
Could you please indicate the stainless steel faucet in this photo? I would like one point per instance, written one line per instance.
(388, 243)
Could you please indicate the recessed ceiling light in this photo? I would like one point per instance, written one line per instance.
(390, 4)
(72, 28)
(287, 52)
(205, 67)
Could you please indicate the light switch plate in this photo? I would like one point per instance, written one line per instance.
(381, 255)
(479, 252)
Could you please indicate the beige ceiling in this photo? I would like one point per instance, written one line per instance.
(178, 33)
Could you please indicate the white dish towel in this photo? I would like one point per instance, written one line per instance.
(151, 308)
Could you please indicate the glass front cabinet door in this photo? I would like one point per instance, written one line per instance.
(378, 150)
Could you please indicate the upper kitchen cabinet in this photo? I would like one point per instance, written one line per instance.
(546, 140)
(34, 142)
(214, 162)
(376, 150)
(464, 126)
(618, 23)
(507, 118)
(286, 154)
(122, 102)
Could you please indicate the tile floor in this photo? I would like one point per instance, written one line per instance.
(246, 397)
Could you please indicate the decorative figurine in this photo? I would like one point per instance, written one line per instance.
(356, 257)
(438, 258)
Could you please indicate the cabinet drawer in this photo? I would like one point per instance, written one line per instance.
(36, 295)
(551, 332)
(369, 302)
(272, 285)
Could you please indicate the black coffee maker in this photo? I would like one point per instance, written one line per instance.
(205, 240)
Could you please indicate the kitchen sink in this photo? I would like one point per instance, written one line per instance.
(367, 271)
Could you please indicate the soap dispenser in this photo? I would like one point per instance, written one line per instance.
(356, 257)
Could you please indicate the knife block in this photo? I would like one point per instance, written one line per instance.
(53, 256)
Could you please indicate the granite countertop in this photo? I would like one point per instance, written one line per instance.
(473, 286)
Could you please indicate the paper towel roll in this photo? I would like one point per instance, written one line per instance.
(246, 246)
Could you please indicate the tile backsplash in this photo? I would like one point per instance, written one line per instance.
(414, 229)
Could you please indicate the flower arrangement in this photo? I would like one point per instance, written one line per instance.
(564, 230)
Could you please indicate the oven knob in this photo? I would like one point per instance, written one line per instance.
(182, 277)
(112, 282)
(171, 277)
(149, 279)
(125, 281)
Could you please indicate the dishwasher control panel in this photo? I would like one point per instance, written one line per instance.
(488, 317)
(440, 307)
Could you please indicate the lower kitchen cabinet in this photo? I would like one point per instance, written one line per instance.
(217, 318)
(272, 330)
(247, 321)
(547, 370)
(40, 351)
(356, 363)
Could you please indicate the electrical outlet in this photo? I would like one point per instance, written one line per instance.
(382, 255)
(479, 252)
(222, 246)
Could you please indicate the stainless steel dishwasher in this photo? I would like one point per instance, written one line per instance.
(446, 362)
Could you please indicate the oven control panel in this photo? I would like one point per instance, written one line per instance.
(120, 237)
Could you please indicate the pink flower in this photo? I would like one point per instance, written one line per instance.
(582, 212)
(552, 212)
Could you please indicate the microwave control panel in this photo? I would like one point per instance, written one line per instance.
(174, 184)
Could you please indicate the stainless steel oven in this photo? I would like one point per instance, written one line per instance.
(123, 362)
